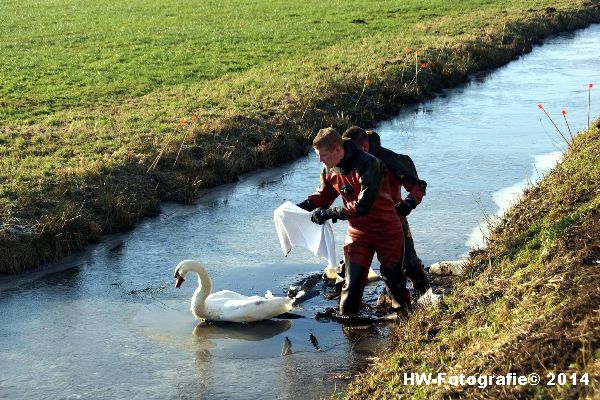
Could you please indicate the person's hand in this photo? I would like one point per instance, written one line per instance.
(321, 215)
(404, 207)
(306, 205)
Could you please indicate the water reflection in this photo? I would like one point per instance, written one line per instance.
(221, 337)
(117, 250)
(255, 331)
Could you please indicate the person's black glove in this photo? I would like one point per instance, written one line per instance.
(320, 215)
(404, 207)
(306, 205)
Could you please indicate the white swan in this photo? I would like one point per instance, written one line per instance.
(226, 305)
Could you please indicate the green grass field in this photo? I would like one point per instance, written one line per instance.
(91, 93)
(63, 54)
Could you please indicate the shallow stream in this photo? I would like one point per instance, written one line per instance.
(108, 323)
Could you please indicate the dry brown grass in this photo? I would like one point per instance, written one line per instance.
(530, 301)
(113, 181)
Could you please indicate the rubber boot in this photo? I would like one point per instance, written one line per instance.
(415, 271)
(395, 283)
(352, 291)
(413, 265)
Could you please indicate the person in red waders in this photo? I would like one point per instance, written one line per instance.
(373, 223)
(401, 173)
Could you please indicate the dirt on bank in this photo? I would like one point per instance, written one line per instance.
(529, 303)
(114, 198)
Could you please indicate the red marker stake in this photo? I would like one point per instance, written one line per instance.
(559, 132)
(564, 113)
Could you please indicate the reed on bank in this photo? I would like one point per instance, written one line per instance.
(92, 93)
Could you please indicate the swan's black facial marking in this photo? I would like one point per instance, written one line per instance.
(178, 279)
(258, 302)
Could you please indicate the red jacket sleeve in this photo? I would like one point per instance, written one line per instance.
(325, 194)
(403, 169)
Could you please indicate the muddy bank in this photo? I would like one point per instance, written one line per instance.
(124, 194)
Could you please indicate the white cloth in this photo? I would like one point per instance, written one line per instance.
(294, 228)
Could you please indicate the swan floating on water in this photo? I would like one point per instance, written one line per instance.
(226, 305)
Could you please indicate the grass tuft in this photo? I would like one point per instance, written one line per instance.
(529, 302)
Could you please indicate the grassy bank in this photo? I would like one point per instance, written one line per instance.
(105, 111)
(530, 302)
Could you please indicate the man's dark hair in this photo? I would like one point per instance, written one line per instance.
(357, 135)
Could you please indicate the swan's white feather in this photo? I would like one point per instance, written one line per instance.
(227, 305)
(251, 309)
(229, 295)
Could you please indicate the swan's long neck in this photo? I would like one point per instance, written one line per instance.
(204, 283)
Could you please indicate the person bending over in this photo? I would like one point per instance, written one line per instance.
(373, 223)
(401, 173)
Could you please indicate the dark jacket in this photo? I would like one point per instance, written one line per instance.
(401, 171)
(362, 181)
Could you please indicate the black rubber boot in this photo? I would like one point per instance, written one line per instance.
(395, 283)
(413, 265)
(416, 273)
(352, 291)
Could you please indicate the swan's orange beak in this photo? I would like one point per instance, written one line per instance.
(178, 280)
